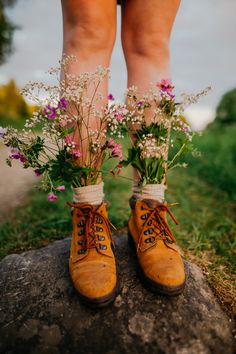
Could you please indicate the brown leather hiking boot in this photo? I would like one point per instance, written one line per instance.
(160, 263)
(92, 263)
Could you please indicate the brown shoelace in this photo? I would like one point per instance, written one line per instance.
(157, 220)
(90, 214)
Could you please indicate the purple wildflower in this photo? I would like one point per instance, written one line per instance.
(62, 103)
(17, 155)
(110, 97)
(37, 172)
(52, 197)
(50, 112)
(170, 95)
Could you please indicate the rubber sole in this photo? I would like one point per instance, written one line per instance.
(149, 283)
(100, 302)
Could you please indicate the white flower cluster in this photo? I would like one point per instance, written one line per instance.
(117, 117)
(95, 146)
(149, 147)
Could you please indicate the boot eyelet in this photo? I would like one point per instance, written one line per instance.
(100, 238)
(98, 220)
(144, 216)
(150, 240)
(148, 231)
(99, 228)
(81, 251)
(81, 223)
(102, 247)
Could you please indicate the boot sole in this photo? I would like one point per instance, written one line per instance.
(149, 283)
(100, 302)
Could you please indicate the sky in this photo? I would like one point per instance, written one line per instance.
(203, 50)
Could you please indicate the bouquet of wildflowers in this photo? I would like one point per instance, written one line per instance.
(68, 138)
(158, 130)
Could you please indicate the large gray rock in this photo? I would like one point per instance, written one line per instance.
(41, 313)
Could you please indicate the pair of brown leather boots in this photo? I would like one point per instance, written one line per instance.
(92, 263)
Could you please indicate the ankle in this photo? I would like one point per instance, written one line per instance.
(149, 191)
(92, 194)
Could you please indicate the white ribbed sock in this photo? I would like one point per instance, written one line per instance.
(92, 194)
(149, 191)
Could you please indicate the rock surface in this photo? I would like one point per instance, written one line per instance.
(41, 313)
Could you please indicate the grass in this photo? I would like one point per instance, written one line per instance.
(11, 121)
(217, 165)
(206, 212)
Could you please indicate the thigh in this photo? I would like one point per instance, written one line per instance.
(93, 13)
(149, 16)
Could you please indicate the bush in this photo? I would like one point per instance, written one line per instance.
(217, 164)
(226, 110)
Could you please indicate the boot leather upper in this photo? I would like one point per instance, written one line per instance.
(92, 263)
(157, 252)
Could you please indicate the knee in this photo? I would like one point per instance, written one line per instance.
(89, 33)
(146, 42)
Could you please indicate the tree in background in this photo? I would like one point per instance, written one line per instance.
(12, 103)
(226, 110)
(6, 31)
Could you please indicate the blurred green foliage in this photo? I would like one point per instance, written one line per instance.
(226, 110)
(7, 29)
(217, 145)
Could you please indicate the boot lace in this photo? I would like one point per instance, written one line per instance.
(89, 233)
(155, 226)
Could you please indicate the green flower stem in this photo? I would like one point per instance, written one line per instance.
(177, 155)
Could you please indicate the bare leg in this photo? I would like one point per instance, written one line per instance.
(146, 29)
(89, 30)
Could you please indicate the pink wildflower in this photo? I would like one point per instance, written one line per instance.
(52, 197)
(76, 153)
(116, 149)
(68, 140)
(120, 113)
(61, 188)
(186, 129)
(111, 143)
(165, 85)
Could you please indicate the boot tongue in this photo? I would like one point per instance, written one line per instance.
(152, 203)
